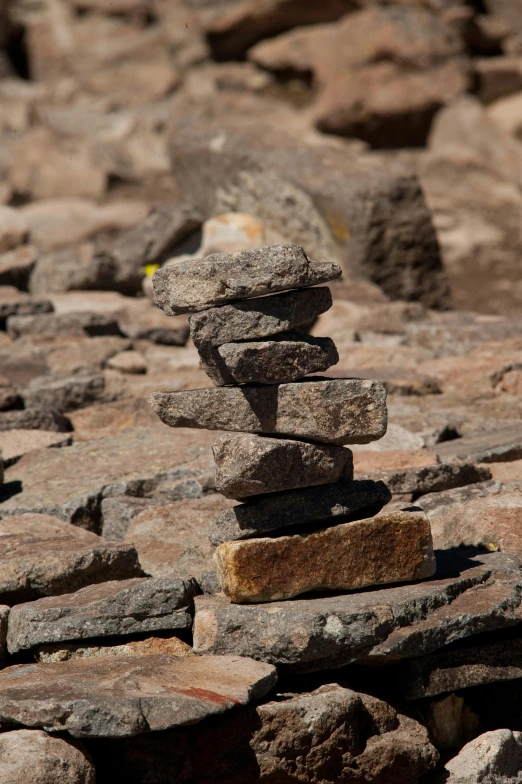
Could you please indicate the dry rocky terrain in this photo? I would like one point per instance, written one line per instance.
(383, 136)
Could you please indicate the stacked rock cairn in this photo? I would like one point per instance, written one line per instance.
(303, 524)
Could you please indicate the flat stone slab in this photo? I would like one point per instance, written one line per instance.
(449, 671)
(500, 445)
(190, 286)
(44, 482)
(431, 478)
(120, 696)
(150, 646)
(337, 411)
(16, 443)
(281, 359)
(469, 594)
(391, 547)
(297, 509)
(104, 610)
(258, 318)
(249, 465)
(43, 556)
(16, 303)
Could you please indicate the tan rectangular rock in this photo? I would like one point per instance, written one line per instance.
(389, 548)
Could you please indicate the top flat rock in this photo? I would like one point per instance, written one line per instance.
(198, 284)
(123, 696)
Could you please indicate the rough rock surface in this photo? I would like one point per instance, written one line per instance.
(334, 411)
(258, 318)
(111, 608)
(281, 359)
(431, 478)
(469, 594)
(328, 504)
(172, 539)
(150, 646)
(461, 668)
(241, 275)
(43, 481)
(50, 760)
(16, 443)
(44, 556)
(503, 444)
(250, 465)
(391, 547)
(492, 758)
(121, 696)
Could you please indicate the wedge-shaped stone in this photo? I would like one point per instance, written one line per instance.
(190, 286)
(336, 411)
(392, 547)
(251, 465)
(258, 318)
(43, 556)
(112, 608)
(283, 358)
(328, 504)
(121, 696)
(469, 594)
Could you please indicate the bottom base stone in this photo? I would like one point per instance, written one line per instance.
(391, 547)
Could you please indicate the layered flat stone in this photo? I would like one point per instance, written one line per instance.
(15, 443)
(503, 444)
(258, 318)
(124, 696)
(250, 465)
(294, 509)
(431, 478)
(44, 482)
(391, 547)
(336, 411)
(150, 646)
(283, 358)
(191, 286)
(449, 671)
(469, 594)
(118, 607)
(43, 556)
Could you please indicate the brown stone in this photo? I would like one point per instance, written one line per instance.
(43, 759)
(250, 465)
(85, 698)
(389, 548)
(14, 444)
(280, 359)
(334, 411)
(189, 286)
(43, 556)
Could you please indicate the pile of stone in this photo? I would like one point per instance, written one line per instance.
(303, 524)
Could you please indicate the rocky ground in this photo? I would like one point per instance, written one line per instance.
(383, 136)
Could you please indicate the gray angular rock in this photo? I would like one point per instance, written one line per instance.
(190, 286)
(334, 411)
(55, 325)
(49, 760)
(326, 504)
(469, 594)
(43, 556)
(392, 547)
(258, 318)
(120, 696)
(16, 303)
(278, 360)
(250, 465)
(118, 607)
(493, 758)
